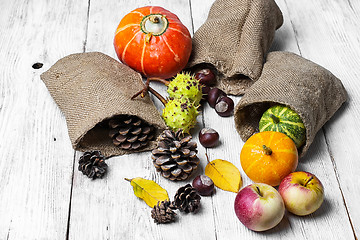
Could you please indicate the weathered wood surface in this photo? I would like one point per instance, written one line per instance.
(37, 159)
(44, 196)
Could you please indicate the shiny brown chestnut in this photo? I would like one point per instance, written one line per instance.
(213, 96)
(205, 91)
(208, 137)
(206, 77)
(203, 185)
(224, 106)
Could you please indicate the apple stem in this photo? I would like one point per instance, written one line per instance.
(129, 180)
(267, 150)
(311, 178)
(275, 118)
(258, 190)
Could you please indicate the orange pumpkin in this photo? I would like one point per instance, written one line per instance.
(268, 157)
(153, 41)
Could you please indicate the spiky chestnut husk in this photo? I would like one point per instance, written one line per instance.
(180, 114)
(187, 86)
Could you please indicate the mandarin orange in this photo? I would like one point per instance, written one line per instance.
(268, 157)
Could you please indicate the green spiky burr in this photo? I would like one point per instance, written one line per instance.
(187, 86)
(180, 114)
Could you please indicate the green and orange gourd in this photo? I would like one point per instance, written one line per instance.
(283, 119)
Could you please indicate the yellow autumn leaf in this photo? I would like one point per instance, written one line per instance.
(224, 175)
(148, 190)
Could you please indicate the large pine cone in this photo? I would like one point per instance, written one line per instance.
(162, 212)
(187, 199)
(175, 157)
(129, 132)
(92, 164)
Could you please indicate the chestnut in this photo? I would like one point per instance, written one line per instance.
(203, 185)
(213, 96)
(205, 91)
(208, 137)
(224, 106)
(206, 77)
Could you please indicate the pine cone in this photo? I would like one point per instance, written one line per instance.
(129, 132)
(186, 199)
(175, 157)
(92, 164)
(162, 213)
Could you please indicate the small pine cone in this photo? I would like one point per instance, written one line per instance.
(186, 199)
(129, 132)
(175, 157)
(162, 213)
(92, 164)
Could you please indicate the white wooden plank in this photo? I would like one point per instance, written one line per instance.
(200, 11)
(37, 162)
(318, 225)
(334, 44)
(108, 208)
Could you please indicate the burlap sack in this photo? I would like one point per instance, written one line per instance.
(307, 88)
(92, 87)
(234, 39)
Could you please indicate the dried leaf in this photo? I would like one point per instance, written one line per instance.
(148, 190)
(224, 175)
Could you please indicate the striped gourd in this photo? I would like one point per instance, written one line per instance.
(283, 119)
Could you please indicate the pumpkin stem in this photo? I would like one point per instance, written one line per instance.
(155, 24)
(307, 182)
(267, 150)
(274, 118)
(154, 19)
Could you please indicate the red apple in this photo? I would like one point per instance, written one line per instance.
(302, 193)
(259, 206)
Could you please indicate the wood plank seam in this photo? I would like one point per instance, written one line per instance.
(350, 5)
(70, 200)
(293, 28)
(192, 19)
(87, 26)
(338, 181)
(74, 159)
(8, 234)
